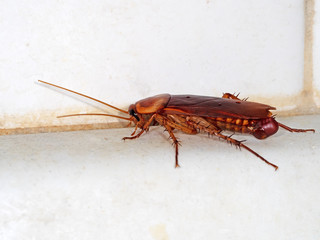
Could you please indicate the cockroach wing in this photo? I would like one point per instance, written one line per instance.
(216, 107)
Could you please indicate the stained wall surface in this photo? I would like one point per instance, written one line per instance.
(316, 52)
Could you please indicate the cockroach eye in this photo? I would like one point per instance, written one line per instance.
(133, 113)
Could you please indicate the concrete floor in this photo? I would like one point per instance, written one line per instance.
(92, 185)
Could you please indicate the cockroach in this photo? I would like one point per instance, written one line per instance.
(192, 114)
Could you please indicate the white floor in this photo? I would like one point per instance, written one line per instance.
(92, 185)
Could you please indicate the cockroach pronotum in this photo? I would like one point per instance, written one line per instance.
(193, 114)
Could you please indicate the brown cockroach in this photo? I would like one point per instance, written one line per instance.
(193, 114)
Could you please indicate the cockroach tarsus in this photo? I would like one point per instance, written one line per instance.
(192, 114)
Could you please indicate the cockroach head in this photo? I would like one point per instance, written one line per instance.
(133, 113)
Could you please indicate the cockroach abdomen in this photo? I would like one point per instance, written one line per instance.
(265, 128)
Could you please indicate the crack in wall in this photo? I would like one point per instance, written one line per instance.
(306, 103)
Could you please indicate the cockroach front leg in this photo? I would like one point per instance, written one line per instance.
(143, 129)
(135, 136)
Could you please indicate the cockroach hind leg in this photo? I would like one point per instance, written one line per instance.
(240, 144)
(234, 96)
(295, 129)
(231, 96)
(259, 156)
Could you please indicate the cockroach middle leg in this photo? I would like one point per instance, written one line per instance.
(294, 129)
(169, 125)
(175, 142)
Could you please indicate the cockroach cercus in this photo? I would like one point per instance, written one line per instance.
(193, 114)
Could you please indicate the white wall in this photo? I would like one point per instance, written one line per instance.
(122, 51)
